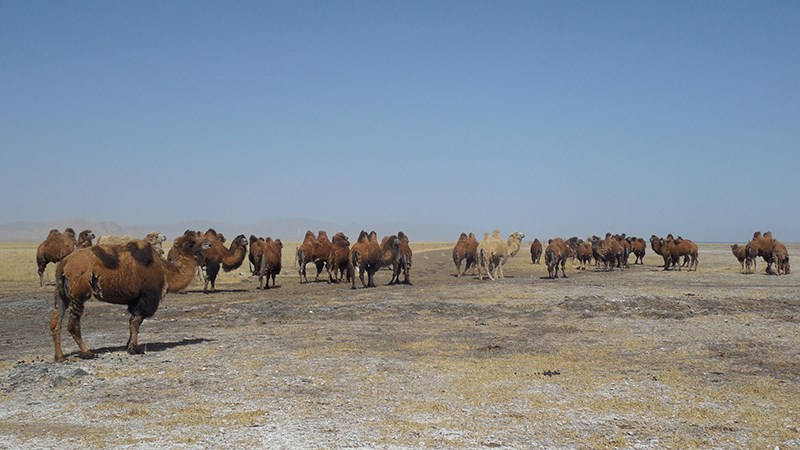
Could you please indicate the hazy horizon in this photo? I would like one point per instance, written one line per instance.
(551, 118)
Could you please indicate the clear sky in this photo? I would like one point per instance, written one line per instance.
(552, 118)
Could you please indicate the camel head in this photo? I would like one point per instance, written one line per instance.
(390, 243)
(155, 237)
(86, 237)
(241, 241)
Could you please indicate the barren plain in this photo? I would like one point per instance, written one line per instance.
(634, 358)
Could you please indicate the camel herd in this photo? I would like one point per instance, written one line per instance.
(137, 272)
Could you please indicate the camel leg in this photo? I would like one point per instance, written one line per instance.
(133, 346)
(212, 270)
(56, 318)
(407, 274)
(74, 328)
(41, 275)
(320, 265)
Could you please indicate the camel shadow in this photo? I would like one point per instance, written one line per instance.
(148, 347)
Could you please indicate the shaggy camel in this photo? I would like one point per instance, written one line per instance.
(322, 250)
(251, 255)
(58, 245)
(638, 248)
(305, 255)
(536, 251)
(339, 259)
(763, 246)
(155, 239)
(391, 256)
(131, 274)
(740, 254)
(602, 252)
(366, 256)
(268, 262)
(555, 254)
(583, 253)
(219, 256)
(466, 249)
(672, 249)
(403, 264)
(494, 252)
(781, 259)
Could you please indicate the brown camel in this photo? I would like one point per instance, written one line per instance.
(673, 249)
(536, 251)
(366, 256)
(404, 260)
(781, 259)
(763, 246)
(740, 254)
(614, 244)
(583, 254)
(219, 256)
(602, 252)
(638, 248)
(305, 255)
(58, 245)
(132, 274)
(555, 254)
(339, 259)
(322, 250)
(268, 262)
(466, 249)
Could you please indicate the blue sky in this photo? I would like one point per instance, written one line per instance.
(553, 118)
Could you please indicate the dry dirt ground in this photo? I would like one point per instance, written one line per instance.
(638, 358)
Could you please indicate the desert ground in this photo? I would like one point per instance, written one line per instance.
(634, 358)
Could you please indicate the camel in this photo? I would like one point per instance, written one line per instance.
(155, 238)
(638, 248)
(466, 249)
(268, 262)
(583, 253)
(494, 252)
(390, 251)
(626, 250)
(305, 255)
(556, 254)
(536, 251)
(602, 252)
(763, 246)
(228, 258)
(131, 274)
(781, 259)
(367, 256)
(58, 245)
(339, 259)
(614, 245)
(672, 249)
(404, 260)
(740, 254)
(322, 250)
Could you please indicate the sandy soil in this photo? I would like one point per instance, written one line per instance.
(638, 358)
